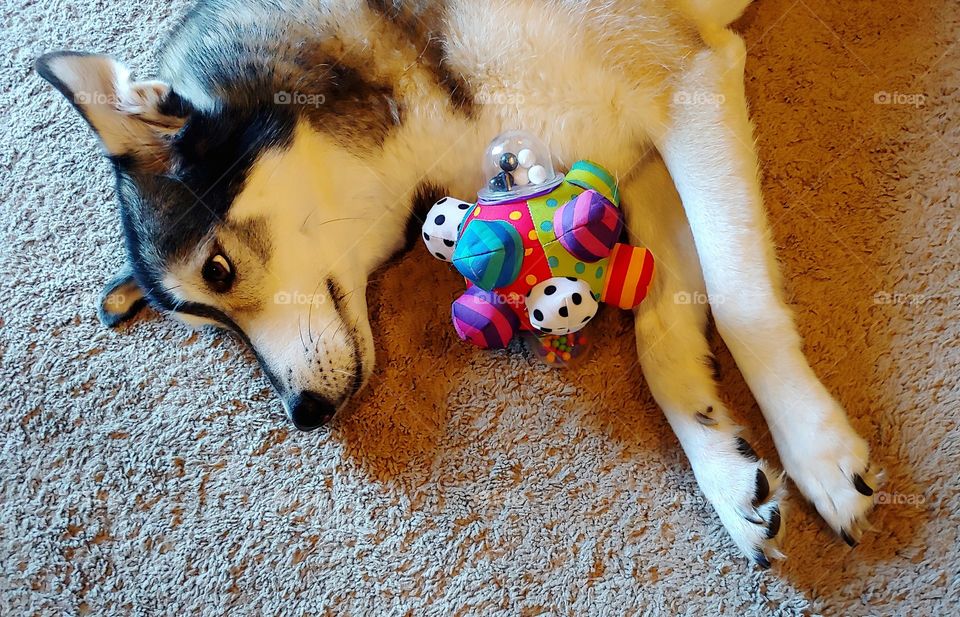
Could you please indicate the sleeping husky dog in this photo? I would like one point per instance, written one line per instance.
(285, 146)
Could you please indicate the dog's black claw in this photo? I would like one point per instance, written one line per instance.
(774, 526)
(846, 538)
(753, 516)
(862, 487)
(746, 449)
(704, 418)
(762, 560)
(763, 488)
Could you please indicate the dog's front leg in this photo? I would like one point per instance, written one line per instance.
(708, 148)
(678, 366)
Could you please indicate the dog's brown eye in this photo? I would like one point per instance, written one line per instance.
(218, 273)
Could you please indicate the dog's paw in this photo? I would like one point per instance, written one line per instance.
(832, 469)
(747, 495)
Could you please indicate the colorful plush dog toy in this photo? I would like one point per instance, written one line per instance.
(539, 250)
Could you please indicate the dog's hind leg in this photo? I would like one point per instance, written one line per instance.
(708, 147)
(678, 366)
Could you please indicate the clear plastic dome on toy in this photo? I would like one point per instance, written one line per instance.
(517, 164)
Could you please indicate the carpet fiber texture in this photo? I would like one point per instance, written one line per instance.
(151, 470)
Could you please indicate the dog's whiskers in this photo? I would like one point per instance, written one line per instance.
(166, 290)
(310, 310)
(303, 225)
(300, 331)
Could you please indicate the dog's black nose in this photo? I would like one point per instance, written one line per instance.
(310, 411)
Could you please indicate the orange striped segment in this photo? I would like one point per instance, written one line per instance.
(616, 274)
(629, 275)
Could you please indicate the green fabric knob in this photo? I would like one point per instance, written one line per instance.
(489, 254)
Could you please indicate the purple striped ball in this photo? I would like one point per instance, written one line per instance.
(588, 226)
(479, 317)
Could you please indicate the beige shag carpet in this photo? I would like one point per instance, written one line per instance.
(151, 470)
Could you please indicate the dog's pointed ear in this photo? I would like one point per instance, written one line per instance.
(130, 117)
(121, 299)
